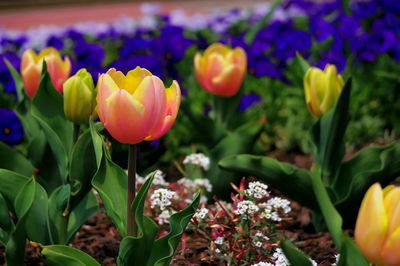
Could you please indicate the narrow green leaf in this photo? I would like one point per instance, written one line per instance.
(19, 85)
(302, 63)
(111, 182)
(350, 254)
(5, 220)
(97, 141)
(328, 133)
(295, 255)
(292, 181)
(56, 255)
(58, 202)
(12, 160)
(11, 184)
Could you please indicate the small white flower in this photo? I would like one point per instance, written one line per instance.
(262, 263)
(217, 250)
(257, 190)
(198, 159)
(337, 257)
(203, 183)
(162, 198)
(279, 203)
(246, 207)
(258, 243)
(164, 216)
(201, 213)
(280, 258)
(270, 209)
(219, 240)
(313, 262)
(159, 179)
(262, 236)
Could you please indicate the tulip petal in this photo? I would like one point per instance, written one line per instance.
(31, 79)
(117, 76)
(372, 224)
(134, 78)
(238, 57)
(125, 118)
(390, 252)
(29, 57)
(106, 86)
(216, 48)
(151, 93)
(392, 202)
(228, 83)
(173, 95)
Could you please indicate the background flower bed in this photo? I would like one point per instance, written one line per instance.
(362, 41)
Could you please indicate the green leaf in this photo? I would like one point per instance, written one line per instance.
(86, 208)
(355, 176)
(241, 140)
(350, 253)
(302, 63)
(328, 133)
(58, 203)
(137, 250)
(290, 180)
(56, 255)
(82, 166)
(111, 182)
(332, 218)
(164, 248)
(47, 108)
(6, 222)
(12, 160)
(31, 206)
(294, 255)
(97, 141)
(11, 184)
(19, 85)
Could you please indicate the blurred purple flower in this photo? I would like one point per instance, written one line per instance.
(248, 100)
(11, 131)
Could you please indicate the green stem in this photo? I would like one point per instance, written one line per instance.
(217, 109)
(76, 133)
(131, 223)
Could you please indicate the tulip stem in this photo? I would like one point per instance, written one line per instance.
(131, 230)
(76, 133)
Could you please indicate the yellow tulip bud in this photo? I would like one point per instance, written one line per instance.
(79, 97)
(322, 89)
(377, 230)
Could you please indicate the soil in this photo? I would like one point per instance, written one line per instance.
(99, 238)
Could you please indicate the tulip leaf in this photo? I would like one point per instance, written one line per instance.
(58, 202)
(11, 184)
(144, 249)
(350, 253)
(19, 85)
(242, 140)
(86, 208)
(82, 166)
(137, 250)
(12, 160)
(111, 182)
(6, 223)
(31, 203)
(294, 255)
(327, 135)
(47, 108)
(355, 176)
(55, 255)
(290, 180)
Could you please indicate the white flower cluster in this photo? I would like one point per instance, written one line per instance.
(219, 240)
(262, 263)
(159, 179)
(280, 258)
(261, 235)
(162, 198)
(198, 159)
(257, 190)
(164, 216)
(272, 206)
(201, 213)
(202, 183)
(246, 207)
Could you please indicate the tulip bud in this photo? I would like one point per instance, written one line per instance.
(137, 106)
(221, 70)
(377, 231)
(322, 89)
(31, 68)
(79, 97)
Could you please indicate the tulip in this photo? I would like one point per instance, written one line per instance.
(377, 230)
(137, 106)
(221, 70)
(322, 89)
(79, 97)
(31, 69)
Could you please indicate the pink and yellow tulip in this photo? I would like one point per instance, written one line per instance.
(377, 230)
(31, 68)
(221, 70)
(137, 106)
(322, 89)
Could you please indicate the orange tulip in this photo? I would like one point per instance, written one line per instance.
(377, 230)
(31, 68)
(221, 70)
(137, 106)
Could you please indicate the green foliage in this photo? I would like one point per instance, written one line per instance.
(294, 255)
(55, 255)
(145, 249)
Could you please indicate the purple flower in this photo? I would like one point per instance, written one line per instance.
(6, 79)
(321, 29)
(11, 131)
(248, 100)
